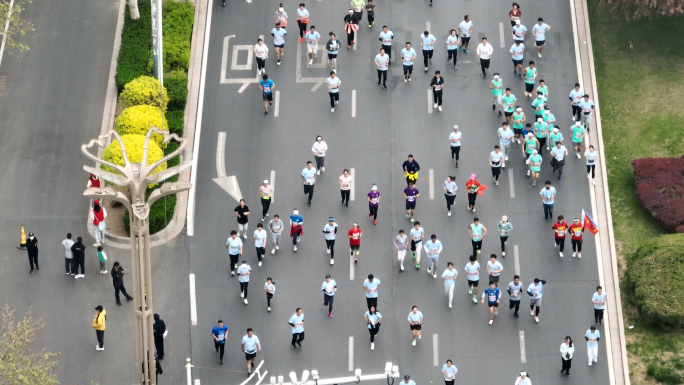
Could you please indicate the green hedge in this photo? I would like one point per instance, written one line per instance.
(175, 121)
(136, 45)
(177, 20)
(655, 275)
(177, 89)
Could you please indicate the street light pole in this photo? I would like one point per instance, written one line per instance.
(137, 177)
(157, 38)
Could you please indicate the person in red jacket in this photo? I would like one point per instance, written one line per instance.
(576, 229)
(354, 235)
(93, 182)
(472, 185)
(559, 230)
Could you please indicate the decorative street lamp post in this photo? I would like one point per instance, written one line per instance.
(137, 177)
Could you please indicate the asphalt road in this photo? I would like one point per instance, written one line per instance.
(386, 127)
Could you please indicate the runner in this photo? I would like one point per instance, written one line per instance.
(411, 169)
(386, 37)
(496, 85)
(518, 32)
(473, 270)
(577, 134)
(428, 49)
(351, 25)
(496, 160)
(576, 229)
(591, 156)
(535, 166)
(494, 269)
(541, 129)
(382, 62)
(539, 31)
(527, 130)
(587, 107)
(560, 228)
(275, 226)
(566, 350)
(296, 228)
(319, 148)
(415, 320)
(559, 153)
(250, 346)
(330, 231)
(599, 301)
(544, 89)
(556, 135)
(432, 249)
(508, 104)
(332, 46)
(297, 324)
(281, 16)
(309, 177)
(329, 288)
(477, 233)
(407, 378)
(401, 243)
(312, 39)
(408, 54)
(449, 275)
(575, 98)
(333, 83)
(449, 371)
(518, 118)
(371, 287)
(452, 46)
(261, 54)
(373, 319)
(278, 34)
(266, 193)
(517, 52)
(370, 9)
(514, 14)
(373, 197)
(535, 292)
(417, 234)
(515, 289)
(270, 289)
(493, 295)
(345, 182)
(234, 246)
(484, 50)
(539, 107)
(259, 240)
(243, 273)
(219, 333)
(450, 192)
(592, 336)
(548, 196)
(242, 212)
(437, 84)
(302, 21)
(466, 29)
(530, 75)
(505, 136)
(531, 145)
(472, 185)
(354, 235)
(548, 117)
(523, 379)
(505, 228)
(358, 6)
(455, 139)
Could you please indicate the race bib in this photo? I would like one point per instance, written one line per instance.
(279, 39)
(578, 233)
(374, 200)
(267, 89)
(411, 199)
(560, 232)
(438, 87)
(504, 232)
(221, 336)
(492, 298)
(515, 293)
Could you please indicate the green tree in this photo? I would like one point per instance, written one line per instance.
(18, 364)
(637, 9)
(13, 26)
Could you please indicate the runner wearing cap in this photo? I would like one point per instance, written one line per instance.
(455, 140)
(505, 227)
(508, 104)
(591, 156)
(354, 235)
(266, 193)
(539, 105)
(531, 145)
(518, 118)
(330, 230)
(577, 134)
(296, 229)
(518, 32)
(329, 288)
(558, 153)
(544, 89)
(556, 135)
(415, 320)
(496, 85)
(539, 31)
(576, 229)
(549, 119)
(373, 197)
(542, 131)
(401, 243)
(243, 277)
(535, 161)
(319, 148)
(407, 378)
(484, 51)
(432, 248)
(523, 379)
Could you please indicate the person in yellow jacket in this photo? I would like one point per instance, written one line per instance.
(99, 326)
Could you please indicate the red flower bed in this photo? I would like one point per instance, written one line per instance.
(660, 187)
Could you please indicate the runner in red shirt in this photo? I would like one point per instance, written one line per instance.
(559, 229)
(576, 229)
(354, 235)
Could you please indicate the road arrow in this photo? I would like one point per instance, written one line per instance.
(228, 183)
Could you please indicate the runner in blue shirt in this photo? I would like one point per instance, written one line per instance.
(408, 54)
(493, 295)
(449, 370)
(428, 49)
(373, 319)
(278, 34)
(599, 301)
(415, 320)
(266, 85)
(219, 333)
(535, 291)
(297, 324)
(250, 346)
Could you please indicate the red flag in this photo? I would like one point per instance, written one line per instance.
(589, 223)
(481, 189)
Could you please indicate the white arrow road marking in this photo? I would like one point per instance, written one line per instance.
(228, 183)
(257, 373)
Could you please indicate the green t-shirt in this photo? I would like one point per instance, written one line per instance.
(547, 118)
(544, 90)
(519, 117)
(530, 145)
(542, 129)
(101, 257)
(555, 137)
(496, 90)
(535, 159)
(577, 134)
(538, 105)
(530, 74)
(509, 103)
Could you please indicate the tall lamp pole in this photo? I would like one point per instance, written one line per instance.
(137, 177)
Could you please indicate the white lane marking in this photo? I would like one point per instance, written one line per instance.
(272, 184)
(198, 128)
(465, 62)
(516, 259)
(502, 36)
(429, 99)
(193, 301)
(197, 382)
(356, 38)
(435, 351)
(510, 180)
(427, 26)
(276, 110)
(351, 354)
(353, 180)
(4, 35)
(353, 103)
(351, 265)
(523, 358)
(431, 177)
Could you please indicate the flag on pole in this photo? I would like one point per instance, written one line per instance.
(589, 223)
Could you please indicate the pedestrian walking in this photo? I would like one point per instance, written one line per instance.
(345, 182)
(466, 29)
(599, 301)
(535, 291)
(417, 234)
(102, 258)
(515, 289)
(220, 333)
(567, 349)
(576, 229)
(548, 196)
(539, 31)
(333, 47)
(99, 326)
(452, 46)
(477, 233)
(234, 246)
(437, 84)
(330, 231)
(117, 277)
(159, 331)
(261, 54)
(351, 25)
(68, 254)
(432, 249)
(472, 186)
(78, 250)
(250, 346)
(411, 194)
(449, 275)
(415, 320)
(386, 37)
(591, 156)
(309, 177)
(455, 145)
(373, 319)
(559, 230)
(450, 192)
(382, 63)
(270, 289)
(32, 249)
(259, 238)
(401, 244)
(243, 273)
(411, 169)
(275, 226)
(354, 235)
(408, 55)
(266, 86)
(97, 216)
(319, 148)
(484, 51)
(266, 193)
(242, 212)
(449, 370)
(373, 197)
(329, 289)
(592, 336)
(302, 21)
(297, 324)
(296, 228)
(371, 287)
(505, 228)
(428, 48)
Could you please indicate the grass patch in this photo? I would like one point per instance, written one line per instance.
(640, 92)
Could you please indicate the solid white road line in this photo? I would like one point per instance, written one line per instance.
(356, 39)
(193, 301)
(435, 351)
(429, 99)
(272, 184)
(502, 35)
(353, 103)
(427, 26)
(351, 354)
(351, 265)
(431, 175)
(276, 110)
(523, 357)
(353, 178)
(510, 184)
(516, 259)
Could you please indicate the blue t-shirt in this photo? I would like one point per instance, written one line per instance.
(450, 276)
(427, 40)
(251, 343)
(382, 61)
(278, 36)
(416, 235)
(312, 38)
(260, 238)
(220, 333)
(601, 298)
(334, 45)
(373, 318)
(408, 56)
(517, 51)
(433, 246)
(309, 175)
(386, 38)
(452, 42)
(296, 220)
(450, 372)
(329, 287)
(295, 319)
(506, 136)
(473, 271)
(267, 85)
(243, 273)
(536, 289)
(492, 294)
(548, 194)
(372, 288)
(234, 245)
(592, 336)
(418, 317)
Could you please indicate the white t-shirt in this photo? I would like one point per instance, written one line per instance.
(334, 83)
(320, 148)
(346, 182)
(485, 51)
(261, 51)
(465, 27)
(457, 137)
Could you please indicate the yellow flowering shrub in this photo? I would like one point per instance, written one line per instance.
(144, 91)
(134, 149)
(139, 119)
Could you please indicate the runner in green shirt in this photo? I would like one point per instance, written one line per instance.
(518, 121)
(555, 135)
(530, 74)
(508, 104)
(538, 105)
(531, 145)
(577, 135)
(542, 131)
(497, 90)
(544, 89)
(535, 166)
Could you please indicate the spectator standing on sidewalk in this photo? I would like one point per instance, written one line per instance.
(117, 277)
(98, 215)
(78, 250)
(93, 182)
(99, 326)
(68, 254)
(159, 334)
(32, 248)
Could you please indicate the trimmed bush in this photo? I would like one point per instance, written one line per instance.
(660, 188)
(178, 18)
(138, 120)
(655, 274)
(134, 149)
(144, 91)
(136, 45)
(157, 217)
(175, 122)
(178, 92)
